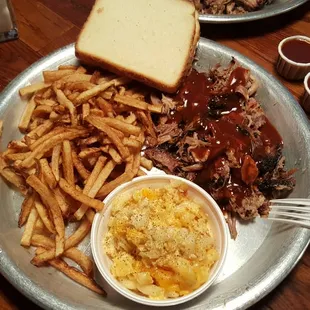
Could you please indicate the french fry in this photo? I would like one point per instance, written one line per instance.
(26, 117)
(55, 162)
(75, 275)
(65, 208)
(146, 163)
(67, 162)
(133, 143)
(122, 126)
(29, 228)
(62, 99)
(88, 94)
(146, 120)
(138, 104)
(47, 173)
(141, 173)
(102, 177)
(49, 144)
(85, 153)
(77, 195)
(85, 110)
(94, 174)
(50, 200)
(72, 241)
(1, 127)
(76, 77)
(47, 94)
(95, 121)
(114, 155)
(39, 227)
(17, 156)
(40, 130)
(25, 209)
(105, 106)
(30, 89)
(52, 76)
(73, 253)
(67, 67)
(42, 110)
(15, 179)
(80, 168)
(43, 214)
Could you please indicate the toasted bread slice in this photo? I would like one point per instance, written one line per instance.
(152, 41)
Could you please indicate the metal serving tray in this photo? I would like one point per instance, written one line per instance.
(273, 9)
(263, 254)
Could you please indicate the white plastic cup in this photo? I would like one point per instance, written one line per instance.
(288, 68)
(217, 225)
(305, 103)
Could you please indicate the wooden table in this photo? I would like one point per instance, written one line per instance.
(47, 25)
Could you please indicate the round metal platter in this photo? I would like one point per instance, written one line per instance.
(275, 8)
(258, 260)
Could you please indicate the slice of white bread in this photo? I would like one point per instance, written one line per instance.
(152, 41)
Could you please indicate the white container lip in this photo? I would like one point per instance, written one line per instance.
(300, 64)
(97, 248)
(307, 78)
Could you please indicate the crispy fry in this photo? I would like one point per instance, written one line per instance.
(73, 253)
(40, 130)
(25, 209)
(102, 177)
(30, 89)
(95, 77)
(52, 76)
(63, 100)
(85, 110)
(48, 173)
(15, 179)
(96, 121)
(60, 197)
(43, 214)
(17, 156)
(107, 188)
(55, 161)
(29, 228)
(122, 126)
(138, 104)
(67, 67)
(42, 111)
(146, 163)
(132, 143)
(105, 106)
(49, 144)
(72, 241)
(85, 153)
(146, 120)
(141, 173)
(49, 199)
(77, 195)
(76, 77)
(83, 172)
(114, 155)
(86, 95)
(26, 117)
(67, 162)
(94, 174)
(75, 275)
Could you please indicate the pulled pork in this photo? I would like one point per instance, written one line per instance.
(216, 134)
(229, 6)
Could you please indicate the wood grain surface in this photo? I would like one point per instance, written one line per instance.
(46, 25)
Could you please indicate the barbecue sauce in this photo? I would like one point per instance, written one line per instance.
(297, 50)
(218, 119)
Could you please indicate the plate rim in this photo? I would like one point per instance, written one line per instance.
(247, 17)
(46, 300)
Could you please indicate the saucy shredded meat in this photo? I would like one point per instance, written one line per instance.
(219, 137)
(229, 6)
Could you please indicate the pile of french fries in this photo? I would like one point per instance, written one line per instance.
(83, 135)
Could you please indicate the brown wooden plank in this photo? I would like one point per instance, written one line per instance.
(68, 37)
(15, 57)
(37, 24)
(76, 11)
